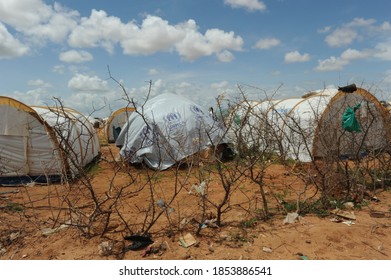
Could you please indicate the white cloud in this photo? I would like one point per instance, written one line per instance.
(153, 72)
(10, 47)
(99, 30)
(225, 56)
(86, 83)
(153, 35)
(295, 56)
(38, 21)
(219, 86)
(331, 64)
(357, 29)
(337, 63)
(195, 45)
(60, 69)
(74, 56)
(341, 37)
(251, 5)
(267, 43)
(39, 83)
(387, 77)
(383, 50)
(353, 54)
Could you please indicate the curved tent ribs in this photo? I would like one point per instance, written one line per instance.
(309, 127)
(32, 142)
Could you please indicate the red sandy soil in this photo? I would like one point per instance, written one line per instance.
(26, 212)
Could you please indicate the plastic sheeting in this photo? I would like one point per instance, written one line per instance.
(39, 142)
(115, 123)
(170, 129)
(310, 127)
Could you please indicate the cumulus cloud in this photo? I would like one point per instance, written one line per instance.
(267, 43)
(86, 83)
(337, 63)
(195, 45)
(341, 37)
(38, 21)
(295, 56)
(74, 56)
(98, 30)
(153, 35)
(357, 29)
(251, 5)
(10, 47)
(331, 64)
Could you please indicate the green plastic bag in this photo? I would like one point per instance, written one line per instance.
(349, 121)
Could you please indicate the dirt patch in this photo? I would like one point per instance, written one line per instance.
(36, 222)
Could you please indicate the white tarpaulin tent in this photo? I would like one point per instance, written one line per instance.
(169, 129)
(115, 123)
(310, 127)
(43, 144)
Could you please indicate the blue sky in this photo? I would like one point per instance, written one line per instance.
(197, 48)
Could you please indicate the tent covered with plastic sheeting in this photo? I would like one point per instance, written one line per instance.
(170, 129)
(115, 123)
(42, 144)
(310, 127)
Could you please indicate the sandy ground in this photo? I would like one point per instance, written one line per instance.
(30, 221)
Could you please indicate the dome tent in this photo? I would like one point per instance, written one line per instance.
(115, 122)
(310, 127)
(42, 144)
(170, 129)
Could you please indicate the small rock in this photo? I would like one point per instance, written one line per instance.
(267, 249)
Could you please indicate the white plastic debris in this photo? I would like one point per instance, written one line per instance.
(291, 218)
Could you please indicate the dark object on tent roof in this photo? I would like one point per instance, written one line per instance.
(139, 242)
(348, 89)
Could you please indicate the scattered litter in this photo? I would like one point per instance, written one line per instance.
(209, 223)
(14, 236)
(183, 223)
(50, 231)
(105, 248)
(336, 220)
(199, 189)
(349, 223)
(187, 240)
(349, 205)
(291, 218)
(344, 214)
(139, 242)
(267, 249)
(302, 256)
(162, 204)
